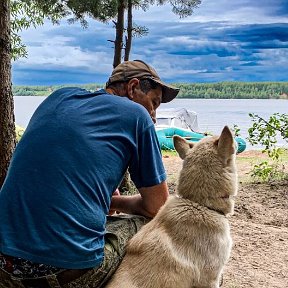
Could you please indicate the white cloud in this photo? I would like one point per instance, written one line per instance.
(67, 56)
(279, 57)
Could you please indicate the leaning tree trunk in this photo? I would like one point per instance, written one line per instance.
(129, 31)
(126, 186)
(119, 33)
(7, 125)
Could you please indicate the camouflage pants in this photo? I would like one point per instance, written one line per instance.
(119, 230)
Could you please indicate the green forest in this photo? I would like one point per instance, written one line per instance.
(222, 90)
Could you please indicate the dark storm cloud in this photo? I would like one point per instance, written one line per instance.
(278, 7)
(276, 34)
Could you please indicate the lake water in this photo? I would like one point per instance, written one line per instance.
(213, 114)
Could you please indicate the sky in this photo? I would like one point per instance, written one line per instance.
(224, 40)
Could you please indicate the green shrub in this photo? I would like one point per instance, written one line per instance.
(265, 132)
(19, 132)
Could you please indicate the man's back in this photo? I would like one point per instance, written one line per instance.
(76, 149)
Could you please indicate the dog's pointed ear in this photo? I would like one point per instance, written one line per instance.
(226, 144)
(182, 146)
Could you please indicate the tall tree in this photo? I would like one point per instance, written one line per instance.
(128, 38)
(119, 33)
(7, 126)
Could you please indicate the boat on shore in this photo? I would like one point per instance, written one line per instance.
(184, 123)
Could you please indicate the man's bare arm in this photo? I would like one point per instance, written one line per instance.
(147, 203)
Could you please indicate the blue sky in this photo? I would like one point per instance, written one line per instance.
(224, 40)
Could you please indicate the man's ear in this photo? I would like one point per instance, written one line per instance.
(131, 86)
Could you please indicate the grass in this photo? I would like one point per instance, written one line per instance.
(168, 153)
(284, 154)
(262, 169)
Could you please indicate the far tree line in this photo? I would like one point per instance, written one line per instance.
(221, 90)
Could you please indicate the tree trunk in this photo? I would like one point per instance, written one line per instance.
(119, 33)
(129, 31)
(7, 125)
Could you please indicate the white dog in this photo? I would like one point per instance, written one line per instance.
(188, 242)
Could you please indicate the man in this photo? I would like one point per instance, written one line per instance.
(59, 186)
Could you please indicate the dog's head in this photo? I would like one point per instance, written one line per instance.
(209, 175)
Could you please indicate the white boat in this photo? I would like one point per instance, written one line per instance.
(177, 117)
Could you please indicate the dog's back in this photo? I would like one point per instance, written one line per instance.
(188, 242)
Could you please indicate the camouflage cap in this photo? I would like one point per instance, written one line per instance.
(140, 70)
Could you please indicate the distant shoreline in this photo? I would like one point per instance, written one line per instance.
(221, 90)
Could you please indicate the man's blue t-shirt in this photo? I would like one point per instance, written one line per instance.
(71, 158)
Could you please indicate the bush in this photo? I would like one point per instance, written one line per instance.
(265, 132)
(19, 132)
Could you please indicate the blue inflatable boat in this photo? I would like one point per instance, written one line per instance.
(182, 122)
(165, 138)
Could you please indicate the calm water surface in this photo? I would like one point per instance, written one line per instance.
(213, 114)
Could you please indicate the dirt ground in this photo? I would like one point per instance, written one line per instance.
(259, 228)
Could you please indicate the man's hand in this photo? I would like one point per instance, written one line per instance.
(116, 193)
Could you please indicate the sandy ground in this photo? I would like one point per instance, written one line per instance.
(259, 229)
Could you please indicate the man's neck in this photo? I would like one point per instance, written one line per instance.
(110, 91)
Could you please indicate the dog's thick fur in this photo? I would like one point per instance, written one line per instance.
(188, 242)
